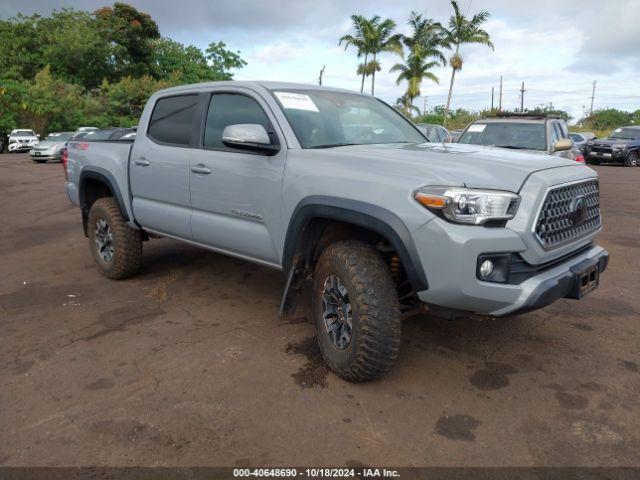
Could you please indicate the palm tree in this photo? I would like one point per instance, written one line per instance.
(413, 71)
(426, 39)
(358, 40)
(424, 54)
(380, 38)
(463, 30)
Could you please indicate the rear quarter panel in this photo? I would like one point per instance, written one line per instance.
(110, 158)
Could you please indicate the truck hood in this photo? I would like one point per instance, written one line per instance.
(453, 164)
(607, 142)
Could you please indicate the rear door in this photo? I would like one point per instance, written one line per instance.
(236, 195)
(159, 167)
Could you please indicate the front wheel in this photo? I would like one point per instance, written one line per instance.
(39, 160)
(632, 160)
(116, 248)
(356, 311)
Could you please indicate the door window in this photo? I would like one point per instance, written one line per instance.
(230, 109)
(173, 120)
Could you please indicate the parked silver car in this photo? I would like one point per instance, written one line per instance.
(435, 133)
(580, 138)
(50, 147)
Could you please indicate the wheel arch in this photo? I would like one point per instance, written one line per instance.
(92, 175)
(313, 212)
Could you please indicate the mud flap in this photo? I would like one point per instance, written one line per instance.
(291, 294)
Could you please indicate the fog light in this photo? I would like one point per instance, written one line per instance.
(486, 268)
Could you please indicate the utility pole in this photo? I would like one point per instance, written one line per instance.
(500, 100)
(424, 108)
(320, 76)
(492, 88)
(522, 90)
(593, 95)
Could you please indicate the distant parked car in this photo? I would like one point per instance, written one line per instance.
(531, 132)
(455, 134)
(580, 138)
(87, 129)
(79, 135)
(109, 133)
(435, 133)
(622, 146)
(22, 140)
(51, 147)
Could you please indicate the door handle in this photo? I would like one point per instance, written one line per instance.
(201, 169)
(141, 161)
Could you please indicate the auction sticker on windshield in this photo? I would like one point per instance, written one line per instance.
(477, 127)
(296, 101)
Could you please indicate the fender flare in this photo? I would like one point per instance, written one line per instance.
(106, 177)
(362, 214)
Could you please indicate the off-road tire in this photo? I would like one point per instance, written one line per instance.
(127, 242)
(632, 160)
(375, 338)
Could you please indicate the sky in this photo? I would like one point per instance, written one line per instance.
(558, 48)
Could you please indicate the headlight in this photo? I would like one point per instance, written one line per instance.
(469, 206)
(13, 140)
(619, 146)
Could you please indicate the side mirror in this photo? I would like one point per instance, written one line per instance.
(38, 135)
(249, 136)
(562, 145)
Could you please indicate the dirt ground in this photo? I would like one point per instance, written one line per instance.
(188, 364)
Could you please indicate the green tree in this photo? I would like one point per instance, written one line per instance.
(461, 31)
(413, 71)
(131, 34)
(222, 60)
(74, 49)
(379, 37)
(174, 60)
(12, 98)
(358, 41)
(51, 104)
(425, 53)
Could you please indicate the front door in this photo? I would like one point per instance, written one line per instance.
(235, 195)
(159, 170)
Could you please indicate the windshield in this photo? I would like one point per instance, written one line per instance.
(59, 137)
(24, 133)
(628, 133)
(518, 135)
(324, 119)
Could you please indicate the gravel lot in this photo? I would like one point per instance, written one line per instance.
(188, 363)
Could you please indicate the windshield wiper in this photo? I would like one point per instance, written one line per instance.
(514, 147)
(331, 145)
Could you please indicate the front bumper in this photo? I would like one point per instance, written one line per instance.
(452, 276)
(608, 155)
(19, 148)
(45, 154)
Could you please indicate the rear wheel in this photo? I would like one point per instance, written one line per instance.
(632, 160)
(37, 160)
(116, 248)
(356, 311)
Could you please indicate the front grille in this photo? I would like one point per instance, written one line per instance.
(601, 149)
(557, 223)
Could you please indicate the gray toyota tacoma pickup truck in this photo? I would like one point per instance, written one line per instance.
(349, 200)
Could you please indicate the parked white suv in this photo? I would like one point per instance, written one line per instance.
(22, 140)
